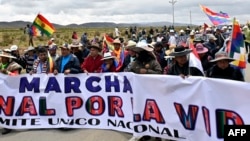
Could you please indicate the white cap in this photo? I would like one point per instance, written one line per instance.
(13, 47)
(171, 30)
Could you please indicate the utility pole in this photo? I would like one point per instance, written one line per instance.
(173, 2)
(190, 18)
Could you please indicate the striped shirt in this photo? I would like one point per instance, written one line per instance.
(29, 63)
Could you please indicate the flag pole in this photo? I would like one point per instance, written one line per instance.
(231, 38)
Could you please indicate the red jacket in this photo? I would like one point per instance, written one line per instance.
(92, 65)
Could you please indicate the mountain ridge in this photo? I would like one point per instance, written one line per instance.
(21, 24)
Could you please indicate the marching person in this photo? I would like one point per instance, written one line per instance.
(131, 54)
(67, 63)
(8, 67)
(42, 63)
(53, 51)
(18, 58)
(222, 69)
(145, 62)
(204, 56)
(181, 65)
(109, 63)
(30, 58)
(92, 63)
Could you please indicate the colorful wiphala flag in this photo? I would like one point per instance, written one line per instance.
(35, 31)
(109, 47)
(236, 49)
(215, 18)
(107, 44)
(43, 25)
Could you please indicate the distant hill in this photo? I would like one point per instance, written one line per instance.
(21, 24)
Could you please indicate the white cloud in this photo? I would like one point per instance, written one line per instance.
(119, 11)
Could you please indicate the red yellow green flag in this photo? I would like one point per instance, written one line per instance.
(44, 25)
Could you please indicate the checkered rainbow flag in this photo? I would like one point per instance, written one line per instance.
(236, 49)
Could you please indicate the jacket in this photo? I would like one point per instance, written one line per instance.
(230, 72)
(175, 69)
(153, 67)
(73, 65)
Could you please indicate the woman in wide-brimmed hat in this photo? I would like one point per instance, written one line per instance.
(181, 65)
(109, 63)
(222, 69)
(8, 66)
(204, 56)
(145, 62)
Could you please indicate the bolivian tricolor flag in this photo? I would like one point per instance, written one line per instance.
(43, 25)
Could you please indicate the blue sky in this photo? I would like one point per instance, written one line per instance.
(120, 11)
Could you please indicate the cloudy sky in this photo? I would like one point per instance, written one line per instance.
(120, 11)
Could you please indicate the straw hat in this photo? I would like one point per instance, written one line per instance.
(108, 55)
(76, 45)
(130, 44)
(142, 46)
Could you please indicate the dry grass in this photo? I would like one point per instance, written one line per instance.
(12, 36)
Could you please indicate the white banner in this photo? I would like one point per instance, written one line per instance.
(157, 105)
(101, 101)
(194, 109)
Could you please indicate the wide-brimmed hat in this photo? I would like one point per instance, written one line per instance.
(117, 41)
(142, 46)
(95, 45)
(76, 45)
(182, 31)
(130, 44)
(191, 33)
(6, 50)
(6, 54)
(180, 51)
(65, 46)
(108, 55)
(200, 48)
(221, 55)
